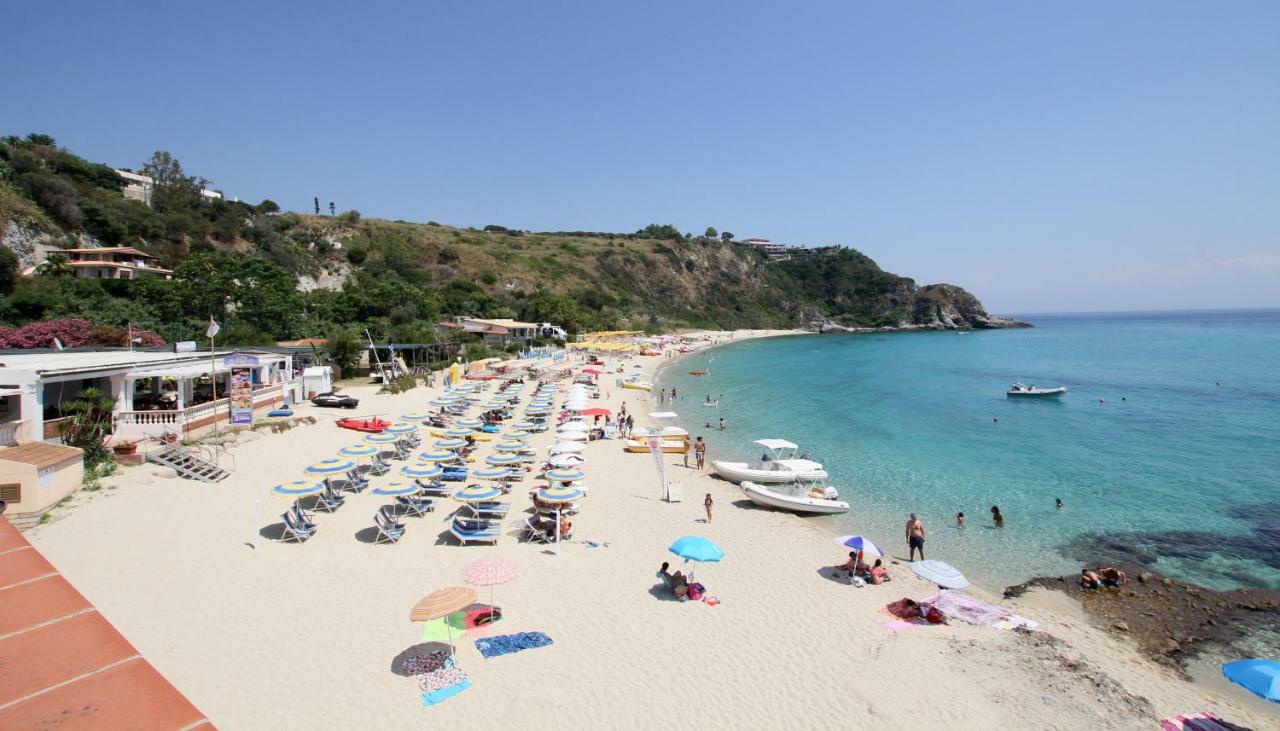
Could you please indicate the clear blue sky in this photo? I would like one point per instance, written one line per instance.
(1049, 157)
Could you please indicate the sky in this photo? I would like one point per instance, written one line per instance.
(1049, 157)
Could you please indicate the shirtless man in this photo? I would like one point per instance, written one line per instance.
(915, 536)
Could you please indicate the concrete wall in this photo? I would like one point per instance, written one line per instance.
(59, 481)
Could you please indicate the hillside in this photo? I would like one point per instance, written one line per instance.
(271, 275)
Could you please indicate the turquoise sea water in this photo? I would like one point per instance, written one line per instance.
(1172, 470)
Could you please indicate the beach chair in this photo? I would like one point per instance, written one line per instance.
(295, 531)
(357, 481)
(487, 510)
(533, 533)
(329, 500)
(469, 532)
(379, 466)
(418, 506)
(389, 531)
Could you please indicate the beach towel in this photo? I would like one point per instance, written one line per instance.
(1202, 721)
(507, 644)
(437, 676)
(1013, 621)
(901, 625)
(967, 609)
(444, 694)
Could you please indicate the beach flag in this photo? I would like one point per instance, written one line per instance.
(213, 330)
(655, 449)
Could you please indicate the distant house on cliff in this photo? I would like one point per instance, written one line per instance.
(140, 187)
(114, 262)
(502, 331)
(771, 251)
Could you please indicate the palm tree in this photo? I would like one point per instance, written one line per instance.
(88, 423)
(55, 265)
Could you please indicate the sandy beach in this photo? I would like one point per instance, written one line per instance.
(261, 634)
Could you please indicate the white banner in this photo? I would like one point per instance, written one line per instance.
(655, 449)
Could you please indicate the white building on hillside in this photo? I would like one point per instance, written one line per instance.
(770, 250)
(140, 187)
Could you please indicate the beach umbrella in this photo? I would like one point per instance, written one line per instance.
(401, 427)
(514, 445)
(524, 425)
(421, 469)
(450, 444)
(415, 416)
(441, 456)
(331, 467)
(395, 488)
(502, 459)
(297, 488)
(468, 423)
(559, 495)
(696, 548)
(381, 438)
(490, 572)
(358, 451)
(1259, 676)
(442, 603)
(492, 473)
(943, 574)
(861, 545)
(564, 475)
(458, 432)
(477, 494)
(571, 436)
(516, 434)
(565, 459)
(566, 447)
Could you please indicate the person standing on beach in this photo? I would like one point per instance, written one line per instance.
(673, 393)
(722, 423)
(700, 453)
(915, 537)
(708, 503)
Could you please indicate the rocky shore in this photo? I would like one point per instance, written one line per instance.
(1170, 620)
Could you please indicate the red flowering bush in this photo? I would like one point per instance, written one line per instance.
(72, 333)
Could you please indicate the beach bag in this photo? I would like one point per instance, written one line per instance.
(933, 615)
(695, 592)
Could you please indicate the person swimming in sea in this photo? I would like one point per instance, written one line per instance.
(959, 520)
(997, 516)
(1057, 503)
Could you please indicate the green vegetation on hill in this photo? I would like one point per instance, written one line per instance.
(268, 275)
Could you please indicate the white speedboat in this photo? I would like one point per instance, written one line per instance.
(798, 497)
(779, 464)
(1025, 391)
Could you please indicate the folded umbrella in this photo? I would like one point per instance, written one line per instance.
(942, 574)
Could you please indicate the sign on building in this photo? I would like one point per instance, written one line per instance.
(240, 392)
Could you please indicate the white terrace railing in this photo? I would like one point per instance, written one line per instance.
(148, 424)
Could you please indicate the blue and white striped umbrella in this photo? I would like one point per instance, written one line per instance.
(297, 488)
(441, 456)
(538, 410)
(450, 444)
(524, 425)
(415, 416)
(331, 467)
(477, 494)
(492, 473)
(468, 423)
(381, 438)
(421, 469)
(401, 427)
(444, 401)
(511, 446)
(516, 434)
(859, 543)
(502, 459)
(358, 451)
(396, 488)
(560, 494)
(565, 475)
(458, 432)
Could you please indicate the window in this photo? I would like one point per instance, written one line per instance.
(11, 493)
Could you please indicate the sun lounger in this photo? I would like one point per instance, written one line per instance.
(490, 509)
(465, 533)
(294, 531)
(357, 481)
(533, 533)
(329, 500)
(419, 506)
(388, 529)
(379, 466)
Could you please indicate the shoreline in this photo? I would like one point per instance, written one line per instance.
(279, 620)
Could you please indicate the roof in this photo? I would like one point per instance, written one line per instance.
(503, 322)
(776, 444)
(798, 465)
(62, 664)
(76, 361)
(305, 342)
(118, 265)
(111, 250)
(40, 454)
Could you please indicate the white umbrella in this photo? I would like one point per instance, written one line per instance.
(572, 436)
(566, 460)
(943, 574)
(566, 447)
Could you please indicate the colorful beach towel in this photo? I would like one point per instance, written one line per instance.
(444, 694)
(437, 676)
(468, 623)
(967, 609)
(1202, 721)
(507, 644)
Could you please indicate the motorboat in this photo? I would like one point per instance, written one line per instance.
(798, 497)
(699, 372)
(1022, 390)
(368, 426)
(779, 464)
(638, 385)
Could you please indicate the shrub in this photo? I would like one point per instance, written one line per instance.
(350, 217)
(357, 255)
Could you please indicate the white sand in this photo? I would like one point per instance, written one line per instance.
(294, 636)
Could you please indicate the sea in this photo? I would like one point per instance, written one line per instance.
(1165, 451)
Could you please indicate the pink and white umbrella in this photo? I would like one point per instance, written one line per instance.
(490, 572)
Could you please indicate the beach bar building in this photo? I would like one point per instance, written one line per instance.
(156, 393)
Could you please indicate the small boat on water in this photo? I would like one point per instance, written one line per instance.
(798, 497)
(779, 464)
(701, 372)
(1022, 390)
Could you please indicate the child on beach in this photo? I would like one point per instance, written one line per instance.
(708, 503)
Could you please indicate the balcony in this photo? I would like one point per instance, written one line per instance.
(153, 424)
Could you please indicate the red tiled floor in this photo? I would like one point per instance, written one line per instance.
(43, 657)
(130, 696)
(27, 605)
(22, 565)
(10, 538)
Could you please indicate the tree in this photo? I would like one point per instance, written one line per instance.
(344, 349)
(726, 237)
(8, 270)
(38, 140)
(711, 232)
(268, 206)
(88, 424)
(55, 265)
(174, 189)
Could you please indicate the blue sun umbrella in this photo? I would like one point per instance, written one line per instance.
(441, 456)
(401, 427)
(297, 488)
(469, 423)
(421, 469)
(696, 548)
(358, 451)
(860, 544)
(1259, 676)
(477, 494)
(524, 425)
(415, 416)
(511, 446)
(565, 475)
(331, 467)
(381, 438)
(502, 459)
(560, 494)
(450, 444)
(492, 473)
(516, 434)
(443, 401)
(395, 488)
(458, 432)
